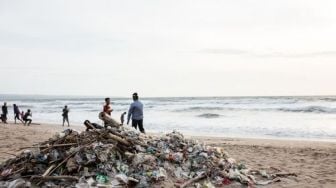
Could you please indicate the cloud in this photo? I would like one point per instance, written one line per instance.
(226, 51)
(297, 54)
(268, 54)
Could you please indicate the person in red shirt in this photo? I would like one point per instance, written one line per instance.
(107, 107)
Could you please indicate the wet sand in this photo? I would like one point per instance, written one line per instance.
(314, 162)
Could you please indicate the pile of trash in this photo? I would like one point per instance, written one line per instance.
(123, 157)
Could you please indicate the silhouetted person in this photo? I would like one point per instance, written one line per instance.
(122, 118)
(65, 115)
(4, 113)
(16, 113)
(136, 111)
(22, 114)
(26, 119)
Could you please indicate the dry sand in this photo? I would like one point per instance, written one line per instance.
(314, 162)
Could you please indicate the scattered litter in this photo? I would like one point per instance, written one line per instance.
(121, 157)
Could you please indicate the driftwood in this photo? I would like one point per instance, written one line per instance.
(46, 178)
(197, 178)
(48, 170)
(118, 139)
(108, 120)
(9, 154)
(51, 146)
(284, 174)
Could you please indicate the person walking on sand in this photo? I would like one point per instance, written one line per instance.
(122, 118)
(26, 119)
(4, 113)
(65, 115)
(107, 107)
(136, 111)
(16, 113)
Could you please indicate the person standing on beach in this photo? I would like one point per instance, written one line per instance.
(136, 111)
(26, 119)
(22, 114)
(4, 113)
(65, 115)
(122, 118)
(16, 113)
(107, 107)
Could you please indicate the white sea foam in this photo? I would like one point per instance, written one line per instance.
(289, 117)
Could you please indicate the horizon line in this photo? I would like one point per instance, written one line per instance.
(100, 96)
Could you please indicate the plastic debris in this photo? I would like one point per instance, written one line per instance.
(121, 157)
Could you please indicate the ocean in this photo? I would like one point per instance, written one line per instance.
(311, 118)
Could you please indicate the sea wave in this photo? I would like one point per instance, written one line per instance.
(199, 108)
(310, 109)
(208, 115)
(302, 109)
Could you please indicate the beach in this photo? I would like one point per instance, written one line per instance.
(314, 162)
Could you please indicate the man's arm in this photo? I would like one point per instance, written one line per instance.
(130, 111)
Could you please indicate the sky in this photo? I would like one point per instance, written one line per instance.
(168, 48)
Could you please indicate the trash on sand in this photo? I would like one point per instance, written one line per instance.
(120, 156)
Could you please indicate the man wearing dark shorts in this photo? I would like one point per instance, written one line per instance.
(65, 115)
(136, 111)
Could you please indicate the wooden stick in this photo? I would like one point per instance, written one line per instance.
(65, 160)
(56, 145)
(285, 174)
(185, 184)
(15, 172)
(119, 139)
(45, 178)
(9, 153)
(48, 170)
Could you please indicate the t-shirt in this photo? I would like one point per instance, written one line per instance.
(16, 110)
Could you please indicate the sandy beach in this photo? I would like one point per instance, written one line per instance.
(314, 162)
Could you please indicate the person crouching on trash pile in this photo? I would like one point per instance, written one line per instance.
(90, 125)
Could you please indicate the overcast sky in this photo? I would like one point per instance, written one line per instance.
(168, 48)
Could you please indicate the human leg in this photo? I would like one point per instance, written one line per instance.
(5, 118)
(134, 123)
(29, 121)
(67, 120)
(140, 123)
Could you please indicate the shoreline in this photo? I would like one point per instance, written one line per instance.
(265, 138)
(314, 162)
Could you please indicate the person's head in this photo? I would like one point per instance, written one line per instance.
(28, 110)
(107, 100)
(135, 96)
(14, 105)
(124, 113)
(5, 103)
(65, 106)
